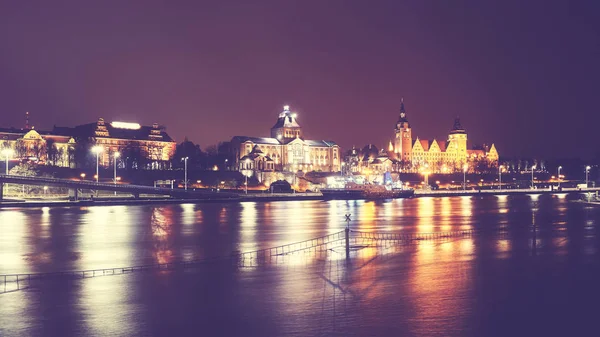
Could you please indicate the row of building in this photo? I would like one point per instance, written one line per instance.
(285, 152)
(65, 146)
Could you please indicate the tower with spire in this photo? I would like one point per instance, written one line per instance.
(457, 141)
(403, 136)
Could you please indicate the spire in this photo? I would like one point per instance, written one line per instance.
(402, 121)
(402, 110)
(27, 120)
(457, 128)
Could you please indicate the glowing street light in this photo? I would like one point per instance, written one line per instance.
(7, 153)
(500, 168)
(115, 156)
(82, 176)
(246, 175)
(587, 175)
(558, 176)
(465, 168)
(532, 169)
(185, 160)
(97, 150)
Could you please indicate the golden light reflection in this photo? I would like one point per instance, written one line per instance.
(367, 217)
(425, 211)
(437, 281)
(105, 237)
(161, 224)
(13, 248)
(248, 225)
(503, 246)
(466, 206)
(106, 299)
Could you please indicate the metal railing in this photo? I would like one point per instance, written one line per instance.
(323, 243)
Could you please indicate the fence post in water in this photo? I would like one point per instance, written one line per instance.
(347, 231)
(347, 234)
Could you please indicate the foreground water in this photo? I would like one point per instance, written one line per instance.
(514, 284)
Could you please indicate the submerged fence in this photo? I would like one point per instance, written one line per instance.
(347, 238)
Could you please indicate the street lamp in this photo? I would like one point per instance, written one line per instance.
(587, 175)
(185, 159)
(7, 153)
(97, 150)
(532, 168)
(115, 156)
(247, 162)
(558, 176)
(500, 177)
(465, 168)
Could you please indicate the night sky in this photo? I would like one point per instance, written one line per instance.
(521, 74)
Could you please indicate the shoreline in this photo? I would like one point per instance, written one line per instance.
(12, 203)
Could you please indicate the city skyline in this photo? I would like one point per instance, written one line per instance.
(514, 72)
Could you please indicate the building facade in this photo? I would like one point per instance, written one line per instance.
(43, 147)
(146, 146)
(408, 154)
(437, 156)
(285, 151)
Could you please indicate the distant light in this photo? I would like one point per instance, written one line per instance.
(97, 149)
(294, 115)
(117, 154)
(125, 125)
(286, 108)
(7, 152)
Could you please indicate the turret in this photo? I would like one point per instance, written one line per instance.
(286, 127)
(403, 136)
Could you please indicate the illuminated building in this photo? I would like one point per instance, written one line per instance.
(150, 146)
(38, 146)
(419, 155)
(286, 150)
(439, 156)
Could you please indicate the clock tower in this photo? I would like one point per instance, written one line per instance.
(403, 137)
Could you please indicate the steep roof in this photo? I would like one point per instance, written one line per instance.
(442, 144)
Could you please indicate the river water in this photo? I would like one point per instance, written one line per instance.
(523, 282)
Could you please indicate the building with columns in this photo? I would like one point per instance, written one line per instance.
(285, 151)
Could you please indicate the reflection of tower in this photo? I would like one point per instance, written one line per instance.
(27, 120)
(403, 140)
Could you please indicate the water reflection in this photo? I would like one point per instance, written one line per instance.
(439, 287)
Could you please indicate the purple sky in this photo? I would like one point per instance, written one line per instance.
(521, 74)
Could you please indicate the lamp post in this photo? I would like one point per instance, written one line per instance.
(532, 169)
(185, 159)
(500, 177)
(465, 168)
(7, 153)
(115, 156)
(587, 175)
(558, 176)
(97, 150)
(246, 167)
